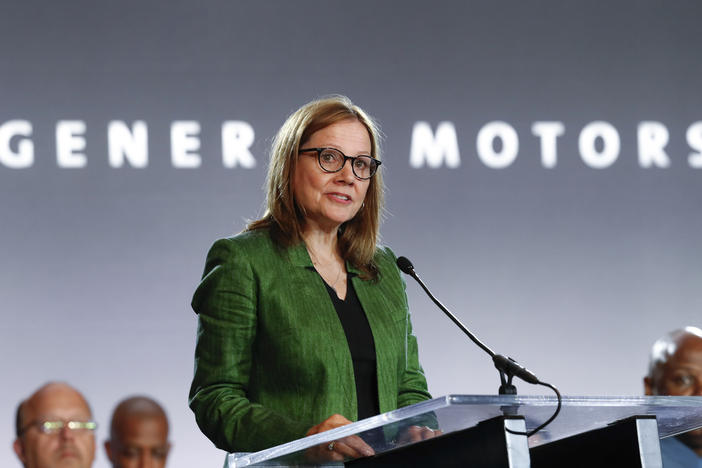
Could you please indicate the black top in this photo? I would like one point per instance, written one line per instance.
(362, 347)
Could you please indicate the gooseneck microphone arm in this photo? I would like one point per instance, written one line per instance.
(507, 367)
(406, 266)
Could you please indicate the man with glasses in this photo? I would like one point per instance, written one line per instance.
(675, 368)
(55, 429)
(138, 434)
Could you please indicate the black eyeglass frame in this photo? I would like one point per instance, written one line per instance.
(352, 158)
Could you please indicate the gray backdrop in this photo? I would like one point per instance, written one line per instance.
(574, 269)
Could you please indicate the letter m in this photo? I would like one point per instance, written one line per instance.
(434, 149)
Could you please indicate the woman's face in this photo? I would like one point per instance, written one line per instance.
(330, 199)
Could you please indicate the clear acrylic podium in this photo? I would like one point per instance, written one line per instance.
(459, 413)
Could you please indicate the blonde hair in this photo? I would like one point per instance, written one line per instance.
(284, 217)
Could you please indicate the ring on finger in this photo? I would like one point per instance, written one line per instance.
(330, 447)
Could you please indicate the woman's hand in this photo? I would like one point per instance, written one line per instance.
(346, 447)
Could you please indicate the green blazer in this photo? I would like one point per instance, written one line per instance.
(272, 360)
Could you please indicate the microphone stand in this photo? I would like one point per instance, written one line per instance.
(506, 366)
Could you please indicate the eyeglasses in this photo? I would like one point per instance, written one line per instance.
(54, 427)
(333, 160)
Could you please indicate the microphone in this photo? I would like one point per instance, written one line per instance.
(505, 365)
(405, 266)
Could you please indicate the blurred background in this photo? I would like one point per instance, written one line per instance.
(542, 162)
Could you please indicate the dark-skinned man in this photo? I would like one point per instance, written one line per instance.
(675, 368)
(138, 434)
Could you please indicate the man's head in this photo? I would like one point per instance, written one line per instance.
(138, 434)
(675, 368)
(55, 429)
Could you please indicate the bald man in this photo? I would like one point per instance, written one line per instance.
(675, 368)
(138, 434)
(55, 429)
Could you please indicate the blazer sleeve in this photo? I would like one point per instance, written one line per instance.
(225, 302)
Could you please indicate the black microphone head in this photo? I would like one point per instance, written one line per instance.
(404, 264)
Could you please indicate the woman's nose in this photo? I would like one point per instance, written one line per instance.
(346, 172)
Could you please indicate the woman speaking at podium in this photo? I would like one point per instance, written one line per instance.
(303, 324)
